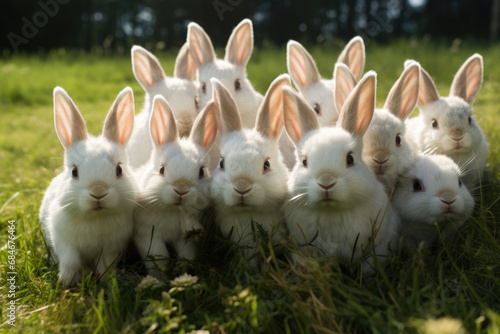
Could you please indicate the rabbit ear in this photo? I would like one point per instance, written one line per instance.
(240, 44)
(344, 83)
(69, 123)
(428, 91)
(357, 111)
(270, 115)
(299, 117)
(119, 122)
(353, 56)
(200, 45)
(403, 96)
(225, 110)
(468, 79)
(301, 65)
(162, 125)
(205, 127)
(185, 67)
(146, 67)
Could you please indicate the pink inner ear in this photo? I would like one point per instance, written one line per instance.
(473, 80)
(63, 120)
(143, 69)
(160, 124)
(195, 45)
(243, 43)
(298, 65)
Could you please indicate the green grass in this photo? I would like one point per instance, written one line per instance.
(455, 286)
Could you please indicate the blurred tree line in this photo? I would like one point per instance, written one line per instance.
(115, 25)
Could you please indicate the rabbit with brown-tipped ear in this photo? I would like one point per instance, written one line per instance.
(446, 125)
(386, 150)
(86, 212)
(174, 186)
(179, 90)
(317, 91)
(249, 186)
(337, 208)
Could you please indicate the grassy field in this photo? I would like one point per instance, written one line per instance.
(455, 288)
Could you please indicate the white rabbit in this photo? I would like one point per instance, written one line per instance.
(432, 192)
(180, 91)
(86, 212)
(446, 125)
(317, 91)
(231, 72)
(337, 205)
(250, 184)
(386, 151)
(174, 185)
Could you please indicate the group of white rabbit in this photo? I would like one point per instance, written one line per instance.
(345, 178)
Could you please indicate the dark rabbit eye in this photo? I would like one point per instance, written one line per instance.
(203, 88)
(162, 170)
(398, 140)
(119, 171)
(349, 160)
(317, 108)
(304, 162)
(221, 163)
(237, 85)
(267, 166)
(74, 172)
(470, 120)
(417, 186)
(201, 174)
(459, 182)
(434, 123)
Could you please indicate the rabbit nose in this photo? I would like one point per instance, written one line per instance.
(181, 186)
(98, 189)
(328, 186)
(447, 197)
(184, 123)
(456, 134)
(327, 180)
(380, 157)
(242, 186)
(380, 162)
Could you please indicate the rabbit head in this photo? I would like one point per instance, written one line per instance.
(180, 90)
(99, 181)
(331, 173)
(231, 71)
(386, 150)
(451, 127)
(317, 91)
(251, 176)
(176, 176)
(432, 192)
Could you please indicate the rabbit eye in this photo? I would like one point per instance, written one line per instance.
(398, 140)
(304, 162)
(203, 88)
(201, 174)
(349, 160)
(267, 166)
(317, 108)
(459, 182)
(237, 85)
(417, 186)
(434, 123)
(221, 163)
(470, 120)
(74, 172)
(162, 170)
(119, 170)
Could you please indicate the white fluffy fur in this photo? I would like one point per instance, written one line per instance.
(172, 216)
(356, 201)
(381, 137)
(452, 114)
(81, 231)
(180, 94)
(419, 210)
